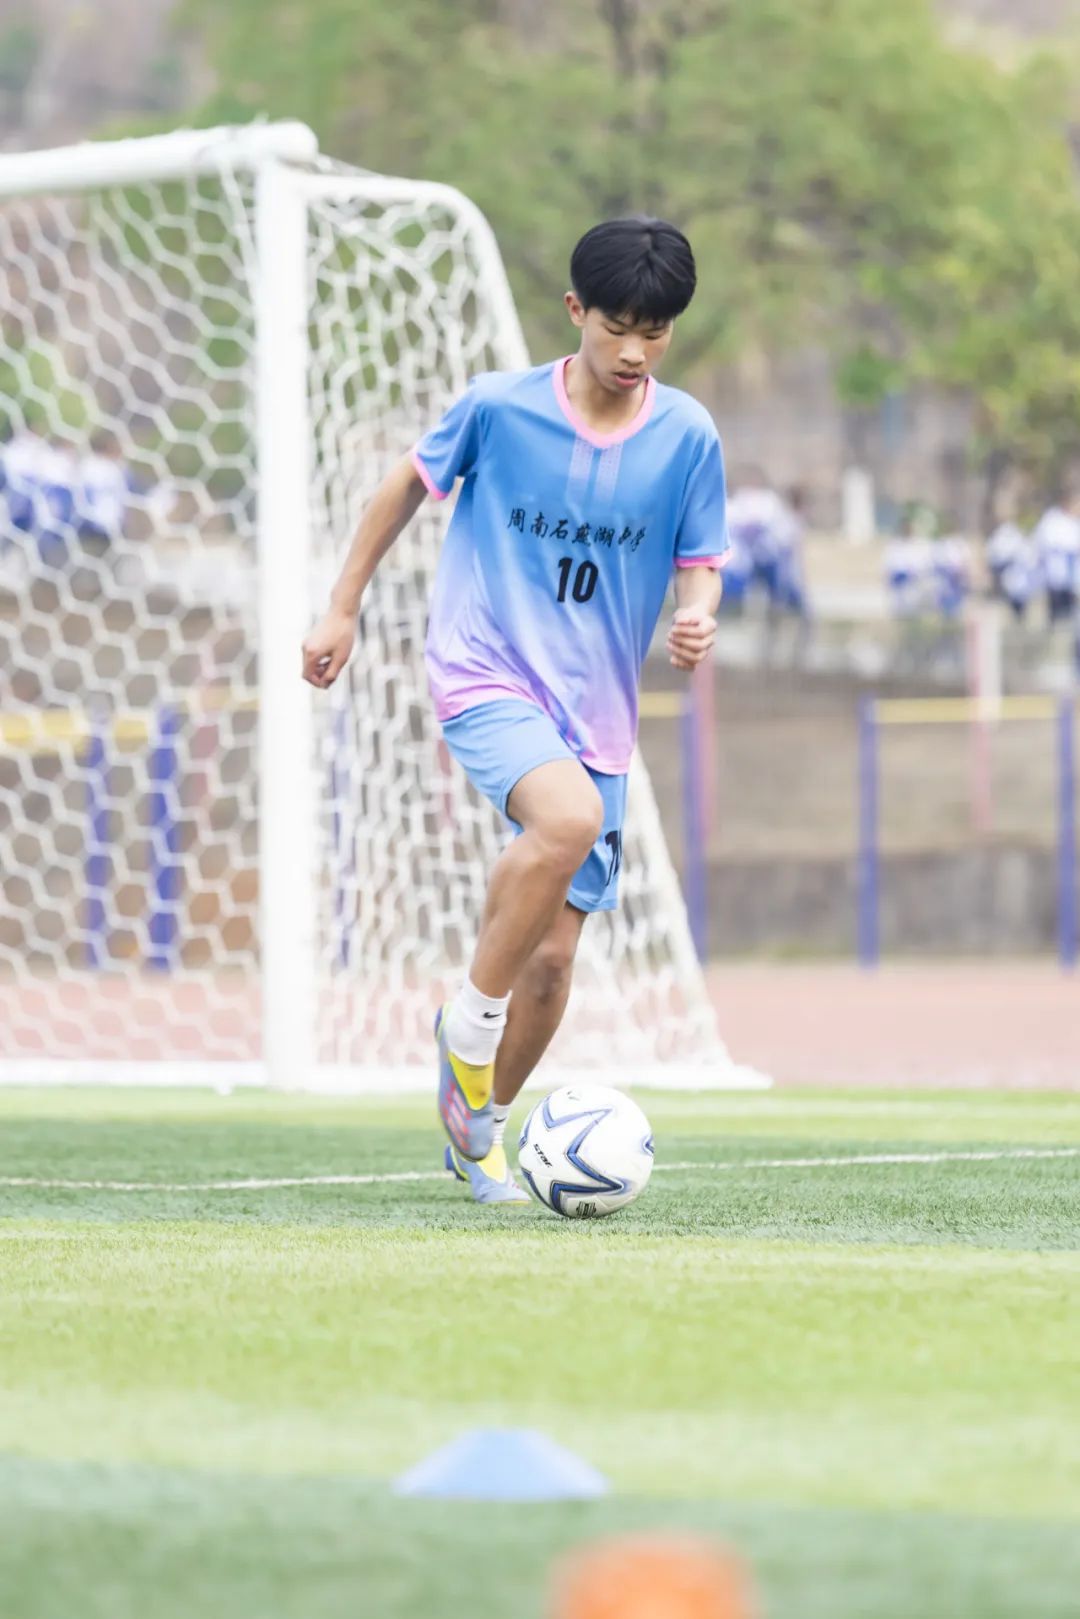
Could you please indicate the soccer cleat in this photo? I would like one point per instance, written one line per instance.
(490, 1181)
(465, 1106)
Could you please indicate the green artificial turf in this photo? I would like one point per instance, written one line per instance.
(864, 1375)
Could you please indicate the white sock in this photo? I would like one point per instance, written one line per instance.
(501, 1111)
(474, 1024)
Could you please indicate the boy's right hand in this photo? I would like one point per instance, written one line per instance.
(327, 648)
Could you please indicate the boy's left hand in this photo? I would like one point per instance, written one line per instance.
(690, 637)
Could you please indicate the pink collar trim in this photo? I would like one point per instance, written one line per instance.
(600, 441)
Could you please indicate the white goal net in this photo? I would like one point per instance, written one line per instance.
(214, 345)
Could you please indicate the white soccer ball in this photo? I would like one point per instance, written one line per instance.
(585, 1151)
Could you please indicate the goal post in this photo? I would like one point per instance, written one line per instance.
(215, 343)
(288, 800)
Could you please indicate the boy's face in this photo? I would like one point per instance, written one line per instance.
(618, 352)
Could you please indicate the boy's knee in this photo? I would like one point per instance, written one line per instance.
(569, 836)
(550, 969)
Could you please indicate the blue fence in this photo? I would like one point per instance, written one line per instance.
(873, 715)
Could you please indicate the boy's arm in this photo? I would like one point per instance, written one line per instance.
(327, 648)
(693, 628)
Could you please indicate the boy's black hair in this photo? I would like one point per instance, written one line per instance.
(638, 268)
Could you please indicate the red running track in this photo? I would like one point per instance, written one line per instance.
(1010, 1024)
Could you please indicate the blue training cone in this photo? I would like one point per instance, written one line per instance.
(503, 1464)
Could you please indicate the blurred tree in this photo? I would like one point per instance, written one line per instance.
(20, 48)
(846, 174)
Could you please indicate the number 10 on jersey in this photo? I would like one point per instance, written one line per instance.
(584, 579)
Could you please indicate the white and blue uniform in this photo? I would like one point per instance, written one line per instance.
(951, 564)
(1057, 542)
(756, 523)
(908, 564)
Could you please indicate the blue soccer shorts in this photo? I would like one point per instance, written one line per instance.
(498, 743)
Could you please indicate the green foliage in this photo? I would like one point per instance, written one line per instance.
(847, 175)
(36, 387)
(20, 47)
(178, 236)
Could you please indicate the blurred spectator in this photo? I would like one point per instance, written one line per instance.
(1006, 544)
(908, 564)
(736, 576)
(756, 520)
(56, 509)
(791, 532)
(25, 461)
(1013, 560)
(39, 478)
(1057, 544)
(103, 485)
(927, 576)
(951, 570)
(57, 497)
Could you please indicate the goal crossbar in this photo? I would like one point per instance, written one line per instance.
(180, 154)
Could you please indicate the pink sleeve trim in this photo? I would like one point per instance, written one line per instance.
(426, 479)
(704, 562)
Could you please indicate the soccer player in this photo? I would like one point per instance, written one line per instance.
(584, 484)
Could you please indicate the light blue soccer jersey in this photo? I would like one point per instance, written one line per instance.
(558, 556)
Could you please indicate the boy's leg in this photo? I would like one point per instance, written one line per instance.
(560, 812)
(542, 987)
(541, 992)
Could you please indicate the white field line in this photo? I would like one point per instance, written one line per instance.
(723, 1166)
(988, 1156)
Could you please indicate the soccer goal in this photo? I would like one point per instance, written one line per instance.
(214, 344)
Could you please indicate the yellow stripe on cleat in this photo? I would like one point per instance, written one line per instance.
(477, 1082)
(495, 1165)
